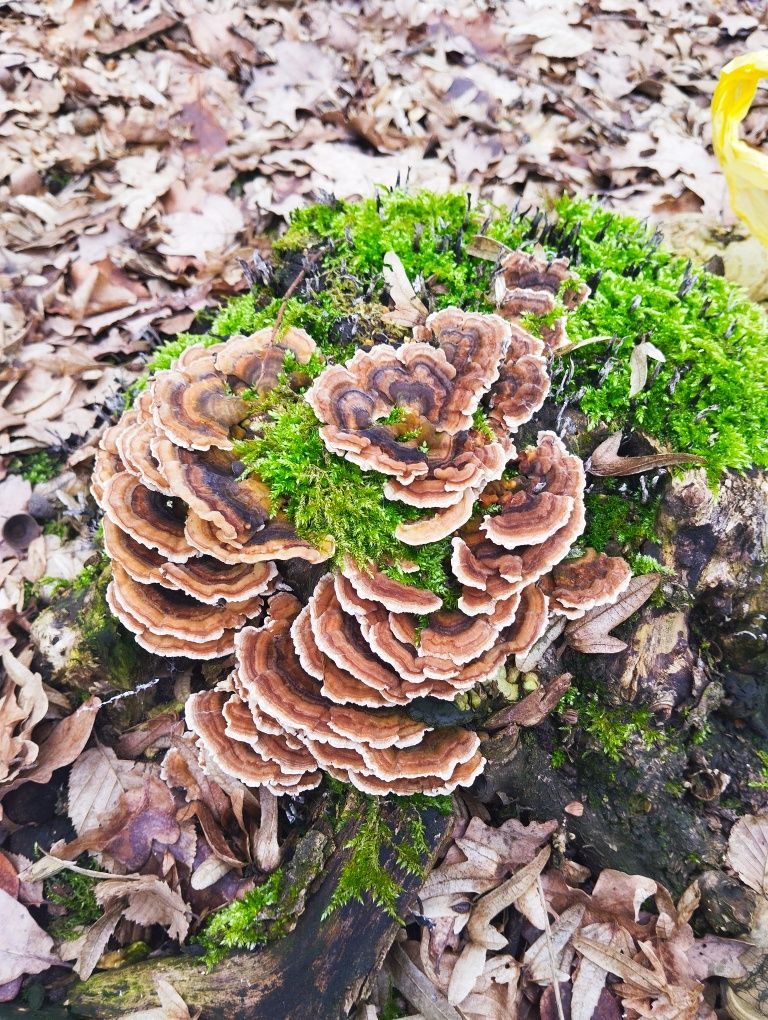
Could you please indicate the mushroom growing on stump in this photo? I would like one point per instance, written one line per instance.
(191, 537)
(327, 683)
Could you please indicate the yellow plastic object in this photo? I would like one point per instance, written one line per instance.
(745, 168)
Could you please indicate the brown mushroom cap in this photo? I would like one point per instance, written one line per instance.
(147, 516)
(277, 540)
(338, 685)
(400, 598)
(271, 673)
(526, 283)
(173, 613)
(237, 758)
(107, 462)
(474, 345)
(530, 621)
(134, 444)
(164, 644)
(236, 507)
(139, 561)
(584, 583)
(191, 403)
(464, 774)
(288, 753)
(440, 525)
(523, 382)
(543, 520)
(439, 389)
(257, 360)
(210, 581)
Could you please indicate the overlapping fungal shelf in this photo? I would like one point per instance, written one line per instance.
(193, 545)
(328, 685)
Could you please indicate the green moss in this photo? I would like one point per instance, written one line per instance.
(364, 876)
(324, 495)
(75, 893)
(241, 924)
(609, 729)
(619, 520)
(269, 910)
(36, 467)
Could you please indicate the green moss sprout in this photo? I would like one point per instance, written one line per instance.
(242, 924)
(75, 893)
(364, 875)
(36, 467)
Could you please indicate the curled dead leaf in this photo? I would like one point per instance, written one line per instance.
(591, 635)
(606, 462)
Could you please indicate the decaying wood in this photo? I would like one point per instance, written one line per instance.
(319, 971)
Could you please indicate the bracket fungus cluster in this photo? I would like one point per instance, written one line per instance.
(329, 684)
(192, 541)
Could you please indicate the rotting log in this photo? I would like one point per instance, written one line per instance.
(319, 970)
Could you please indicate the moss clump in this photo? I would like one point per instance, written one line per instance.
(710, 397)
(364, 874)
(36, 467)
(75, 893)
(270, 909)
(241, 924)
(606, 729)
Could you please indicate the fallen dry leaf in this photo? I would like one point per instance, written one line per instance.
(605, 460)
(24, 946)
(591, 634)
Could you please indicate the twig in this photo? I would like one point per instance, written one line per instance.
(286, 298)
(550, 951)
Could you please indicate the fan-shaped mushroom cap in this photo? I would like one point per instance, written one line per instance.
(107, 462)
(548, 514)
(338, 685)
(530, 622)
(454, 464)
(257, 360)
(474, 345)
(440, 525)
(195, 412)
(134, 444)
(528, 518)
(210, 581)
(271, 673)
(439, 389)
(176, 614)
(338, 635)
(526, 283)
(451, 634)
(205, 717)
(139, 561)
(523, 382)
(277, 540)
(400, 598)
(437, 754)
(463, 774)
(164, 644)
(288, 753)
(584, 583)
(147, 516)
(237, 507)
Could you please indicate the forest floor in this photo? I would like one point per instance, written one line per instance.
(147, 150)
